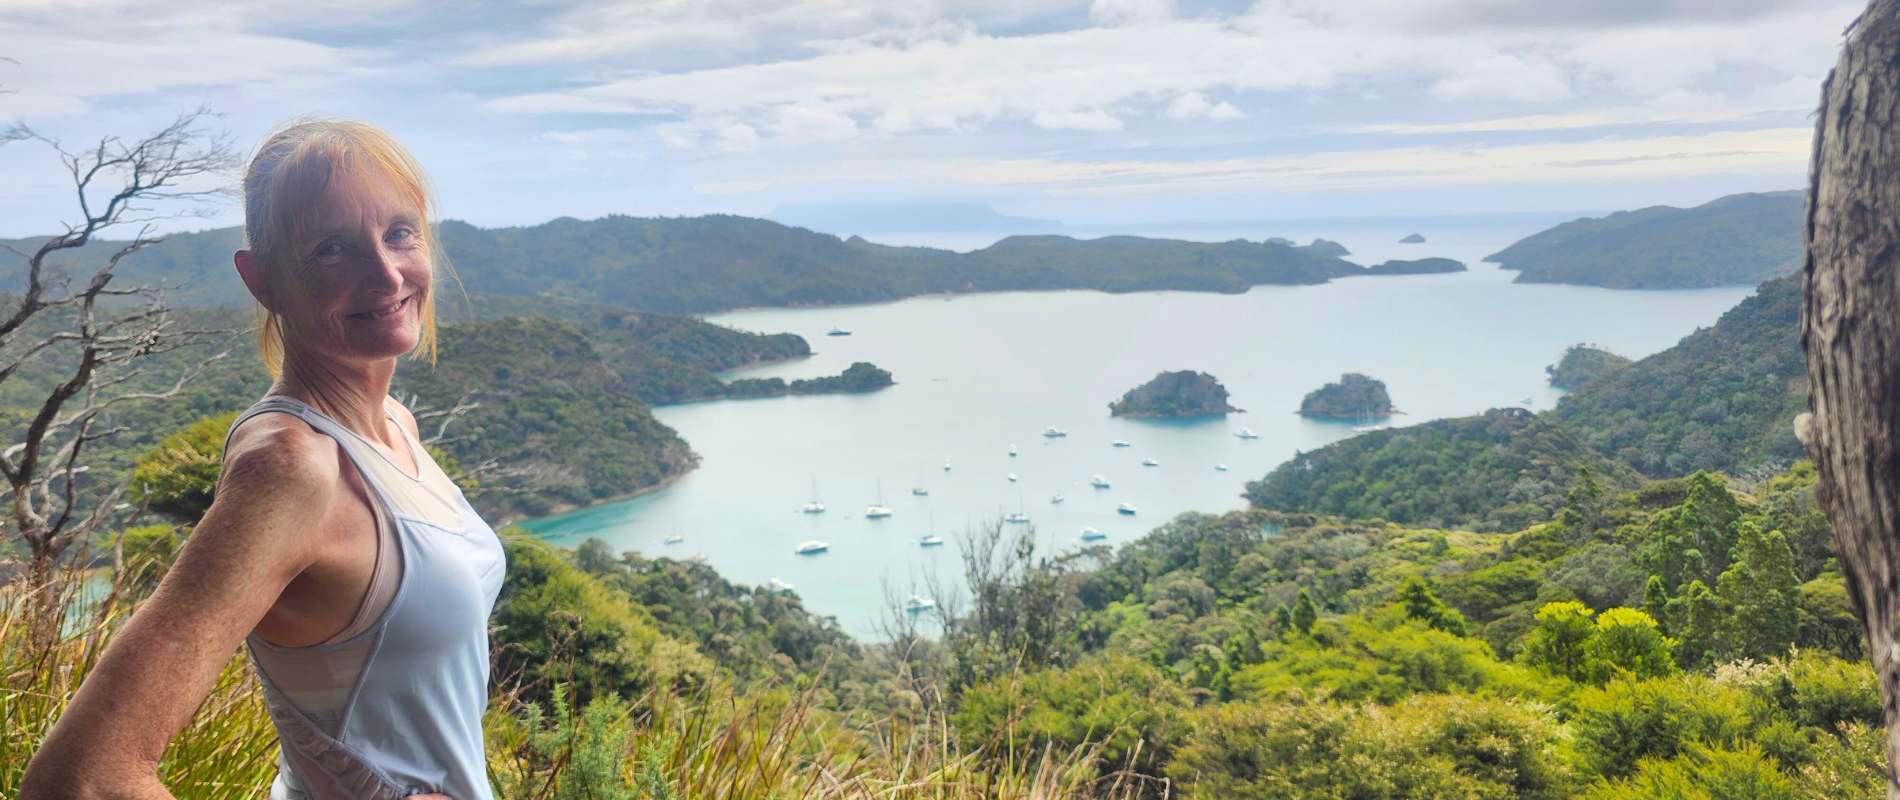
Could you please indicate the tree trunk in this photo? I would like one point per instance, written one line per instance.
(1850, 329)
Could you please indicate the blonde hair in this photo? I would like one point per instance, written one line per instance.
(290, 171)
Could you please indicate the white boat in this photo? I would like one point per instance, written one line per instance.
(1052, 432)
(1016, 518)
(1376, 426)
(1093, 535)
(878, 510)
(813, 547)
(1055, 498)
(1247, 433)
(916, 604)
(919, 491)
(1149, 462)
(780, 586)
(813, 507)
(930, 540)
(1220, 467)
(1526, 401)
(1119, 443)
(673, 539)
(1012, 477)
(1098, 481)
(1126, 508)
(946, 465)
(837, 331)
(1012, 451)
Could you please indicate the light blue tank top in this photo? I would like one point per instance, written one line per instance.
(412, 723)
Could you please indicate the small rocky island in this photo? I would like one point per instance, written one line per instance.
(1416, 238)
(1417, 266)
(1174, 394)
(1354, 397)
(1582, 363)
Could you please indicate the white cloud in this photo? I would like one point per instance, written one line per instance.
(738, 138)
(1194, 105)
(1092, 120)
(1130, 12)
(807, 123)
(1503, 76)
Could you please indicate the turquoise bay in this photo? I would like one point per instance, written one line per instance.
(978, 373)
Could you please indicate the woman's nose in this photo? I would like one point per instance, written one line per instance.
(383, 268)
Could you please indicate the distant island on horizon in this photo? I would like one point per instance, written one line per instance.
(696, 265)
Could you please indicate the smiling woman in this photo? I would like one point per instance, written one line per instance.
(336, 550)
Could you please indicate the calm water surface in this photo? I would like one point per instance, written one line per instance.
(978, 373)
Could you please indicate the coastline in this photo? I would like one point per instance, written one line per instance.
(563, 508)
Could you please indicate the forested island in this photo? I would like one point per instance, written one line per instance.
(1413, 238)
(1741, 239)
(688, 265)
(1581, 363)
(1419, 266)
(1354, 397)
(1184, 393)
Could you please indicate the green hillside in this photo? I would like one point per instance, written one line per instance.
(1724, 398)
(1738, 240)
(1500, 470)
(710, 263)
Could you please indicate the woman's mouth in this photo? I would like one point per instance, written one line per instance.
(384, 312)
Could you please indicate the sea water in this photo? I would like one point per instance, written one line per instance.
(978, 373)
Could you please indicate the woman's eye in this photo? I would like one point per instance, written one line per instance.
(328, 252)
(402, 236)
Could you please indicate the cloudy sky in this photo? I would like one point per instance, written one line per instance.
(1085, 111)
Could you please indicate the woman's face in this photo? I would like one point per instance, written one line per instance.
(363, 271)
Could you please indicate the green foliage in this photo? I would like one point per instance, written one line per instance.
(1692, 541)
(178, 476)
(1354, 397)
(555, 624)
(1628, 642)
(1703, 773)
(1182, 393)
(1560, 644)
(1724, 398)
(1502, 470)
(1581, 363)
(1738, 240)
(1428, 746)
(1420, 604)
(1127, 707)
(1762, 594)
(1627, 721)
(1304, 613)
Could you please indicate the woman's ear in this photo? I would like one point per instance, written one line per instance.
(253, 275)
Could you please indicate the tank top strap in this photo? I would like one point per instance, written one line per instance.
(352, 442)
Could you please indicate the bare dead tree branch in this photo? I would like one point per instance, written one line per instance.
(97, 339)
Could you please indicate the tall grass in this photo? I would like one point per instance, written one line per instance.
(720, 742)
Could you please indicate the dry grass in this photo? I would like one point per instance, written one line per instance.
(718, 743)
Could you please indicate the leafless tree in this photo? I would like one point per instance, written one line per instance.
(490, 476)
(98, 337)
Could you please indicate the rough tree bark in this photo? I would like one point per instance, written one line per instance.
(1850, 329)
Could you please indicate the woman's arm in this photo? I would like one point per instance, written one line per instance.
(257, 536)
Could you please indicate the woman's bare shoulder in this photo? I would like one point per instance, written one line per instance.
(281, 451)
